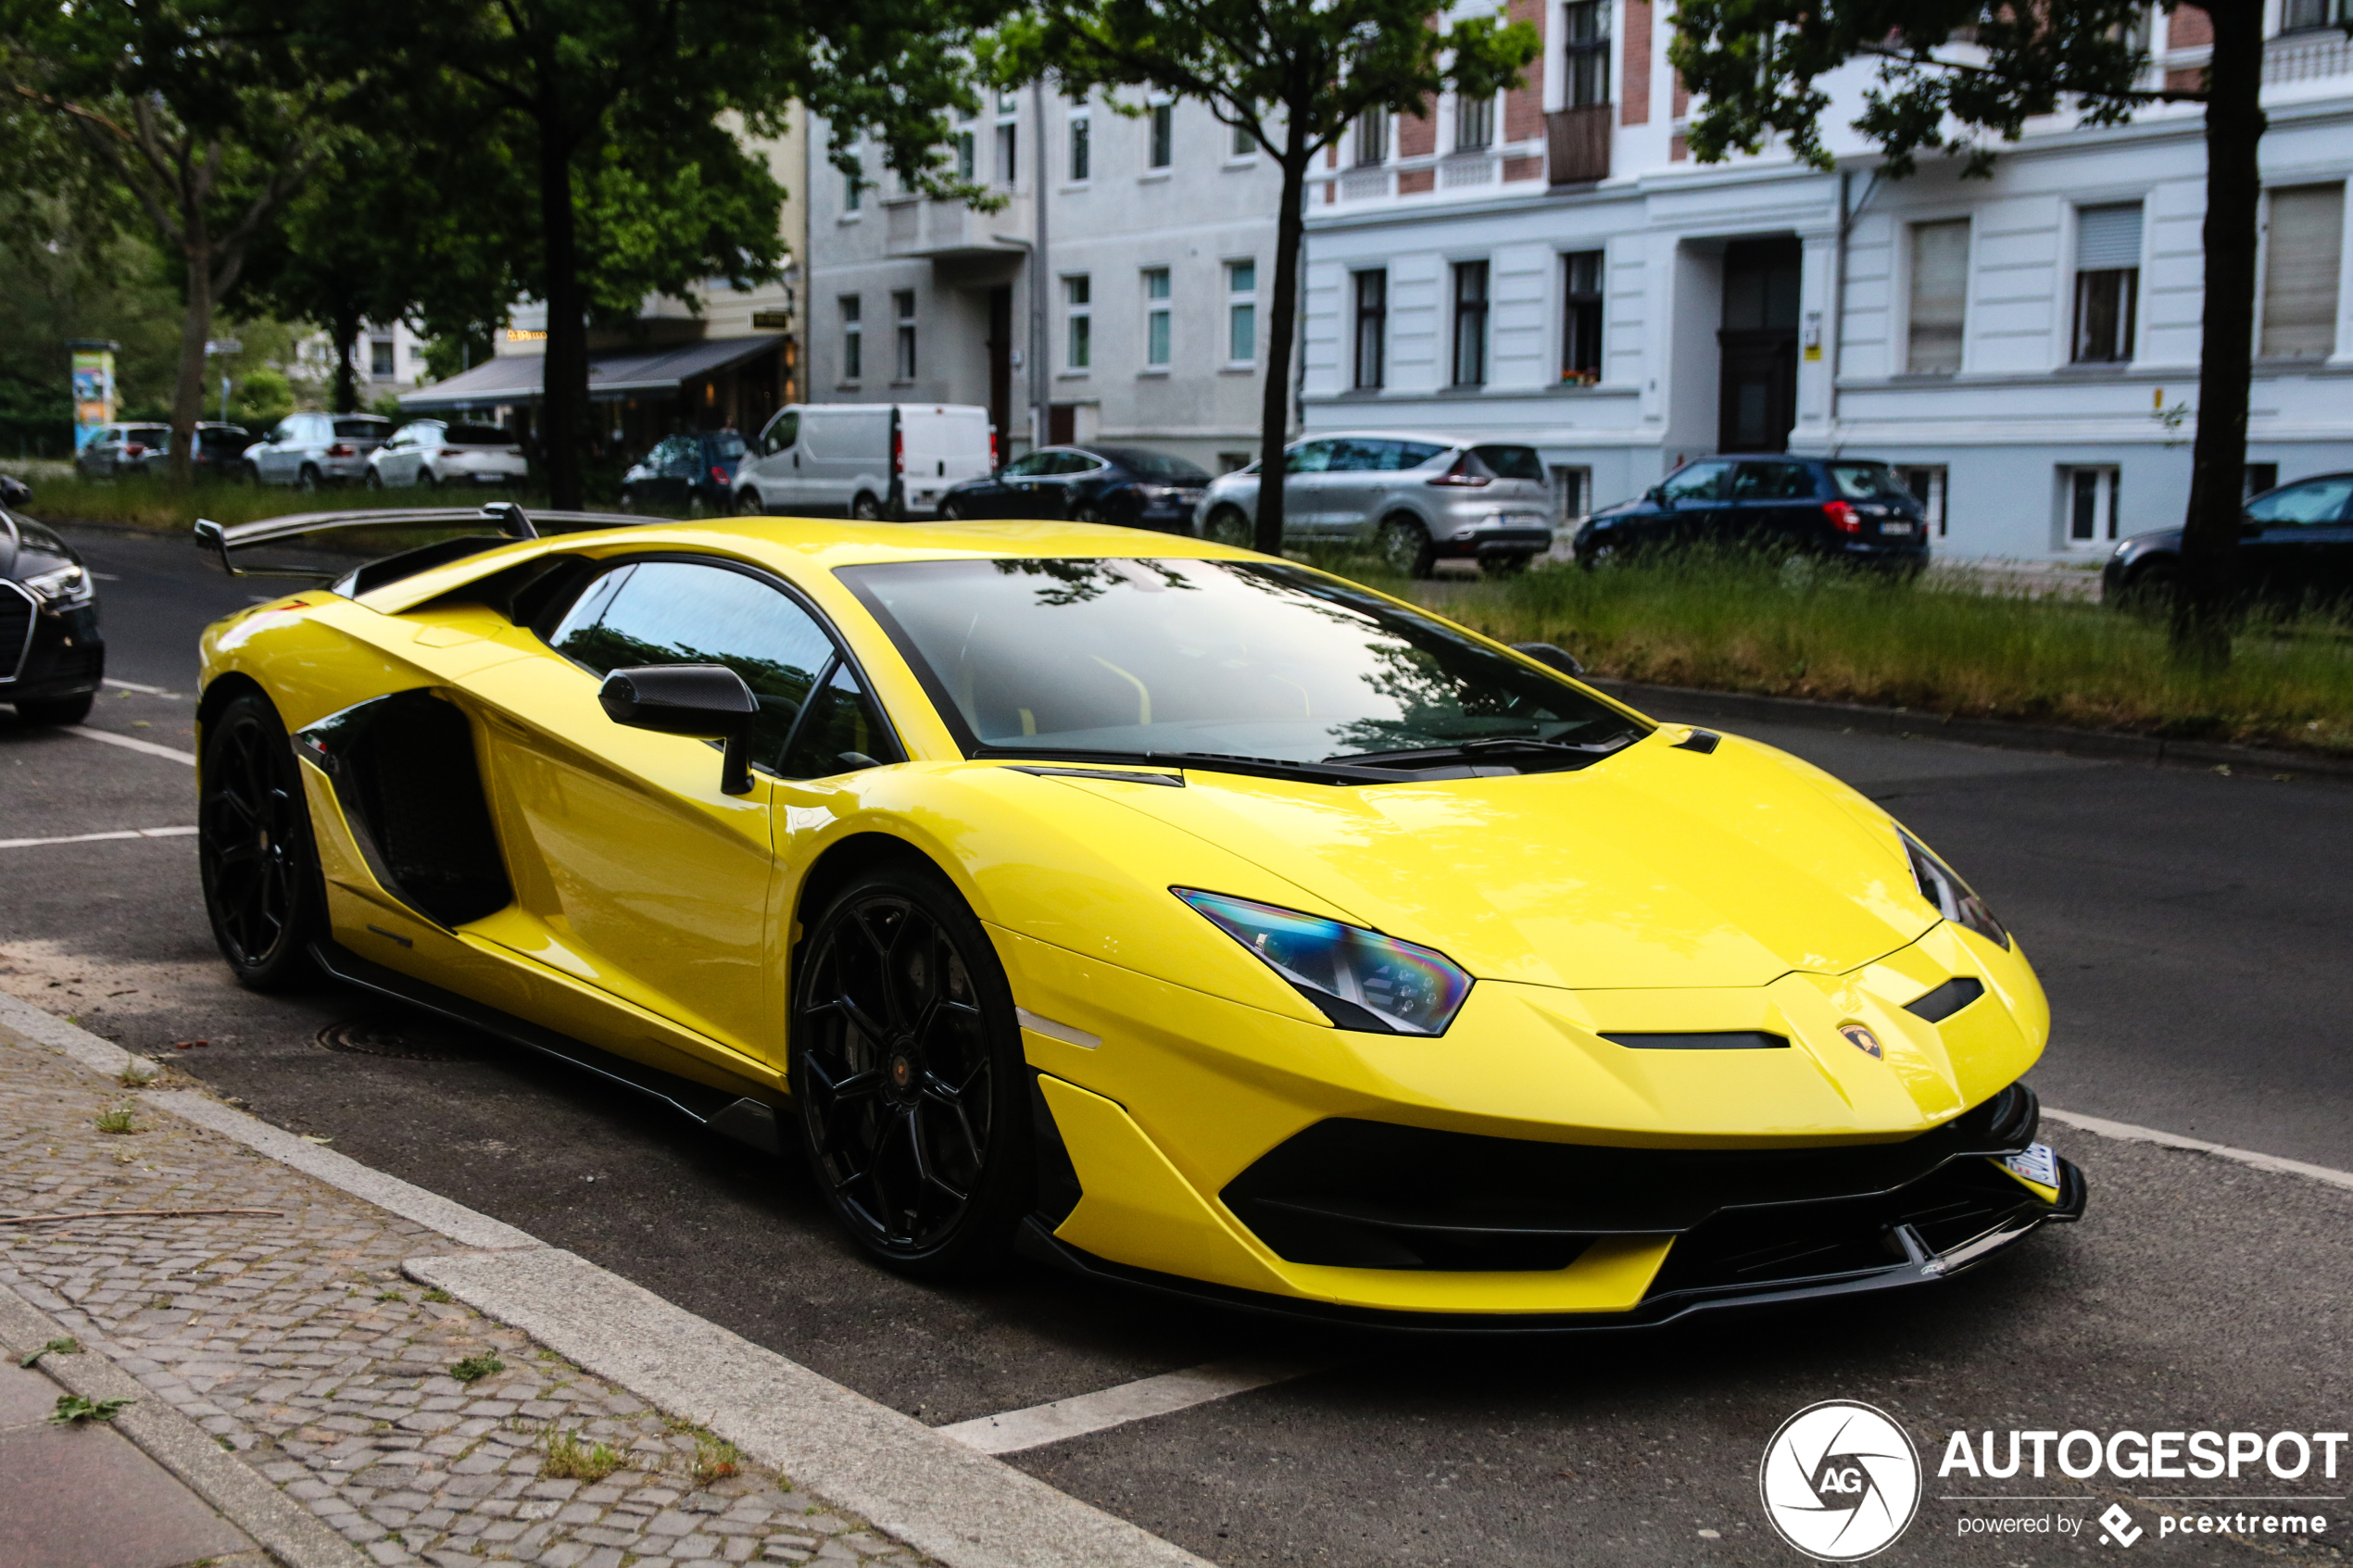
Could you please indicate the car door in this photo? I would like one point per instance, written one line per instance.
(637, 873)
(278, 446)
(1021, 488)
(1770, 508)
(1688, 502)
(1352, 486)
(2294, 541)
(1307, 480)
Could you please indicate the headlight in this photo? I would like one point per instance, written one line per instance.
(1360, 979)
(1942, 886)
(65, 585)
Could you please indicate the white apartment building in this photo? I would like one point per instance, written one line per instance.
(1553, 267)
(1122, 297)
(386, 359)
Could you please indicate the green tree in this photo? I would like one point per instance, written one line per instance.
(1950, 72)
(206, 120)
(1294, 74)
(610, 111)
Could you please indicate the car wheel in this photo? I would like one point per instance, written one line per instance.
(952, 511)
(426, 480)
(1227, 526)
(1594, 558)
(374, 480)
(1088, 514)
(309, 480)
(250, 473)
(748, 503)
(1404, 544)
(2150, 591)
(254, 856)
(60, 710)
(865, 508)
(907, 1068)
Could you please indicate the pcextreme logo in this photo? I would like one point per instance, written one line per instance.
(1840, 1481)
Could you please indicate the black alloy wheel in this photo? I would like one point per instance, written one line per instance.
(261, 884)
(908, 1071)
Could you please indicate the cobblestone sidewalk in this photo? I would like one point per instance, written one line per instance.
(418, 1429)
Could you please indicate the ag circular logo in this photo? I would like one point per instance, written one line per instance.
(1840, 1480)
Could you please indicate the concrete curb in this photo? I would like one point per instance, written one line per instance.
(1734, 707)
(926, 1488)
(285, 1528)
(961, 1507)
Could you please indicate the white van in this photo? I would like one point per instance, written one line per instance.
(871, 460)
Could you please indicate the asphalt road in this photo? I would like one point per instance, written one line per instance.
(2189, 928)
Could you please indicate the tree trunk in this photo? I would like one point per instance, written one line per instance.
(347, 333)
(2206, 600)
(563, 398)
(1274, 419)
(195, 328)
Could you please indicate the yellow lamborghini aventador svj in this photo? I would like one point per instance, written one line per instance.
(1168, 913)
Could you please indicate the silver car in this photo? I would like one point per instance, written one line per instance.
(118, 449)
(1420, 498)
(309, 451)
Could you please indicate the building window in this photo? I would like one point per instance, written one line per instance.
(1470, 323)
(1244, 143)
(1372, 136)
(1372, 330)
(1572, 493)
(380, 357)
(1156, 317)
(1585, 63)
(966, 166)
(2089, 495)
(1241, 312)
(853, 190)
(1163, 151)
(1078, 150)
(1939, 296)
(902, 306)
(854, 346)
(1474, 124)
(2303, 249)
(2107, 281)
(1927, 485)
(1009, 154)
(1581, 317)
(1078, 332)
(2301, 15)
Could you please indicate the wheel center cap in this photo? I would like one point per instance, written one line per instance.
(902, 1070)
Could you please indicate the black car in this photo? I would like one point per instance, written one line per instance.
(1126, 485)
(2296, 548)
(1840, 508)
(51, 654)
(220, 452)
(694, 472)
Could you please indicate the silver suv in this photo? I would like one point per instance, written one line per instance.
(308, 451)
(1420, 498)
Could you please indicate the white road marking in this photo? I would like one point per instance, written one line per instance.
(1040, 1425)
(107, 576)
(135, 687)
(150, 747)
(2127, 1132)
(96, 838)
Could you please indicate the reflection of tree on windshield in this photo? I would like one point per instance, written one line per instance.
(1077, 582)
(779, 688)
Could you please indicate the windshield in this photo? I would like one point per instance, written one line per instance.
(1241, 658)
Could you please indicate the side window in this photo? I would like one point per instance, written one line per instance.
(1698, 482)
(1309, 457)
(2320, 501)
(1029, 465)
(1404, 454)
(678, 612)
(1075, 462)
(782, 432)
(1773, 481)
(840, 735)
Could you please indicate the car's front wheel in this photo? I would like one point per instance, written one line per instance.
(2150, 591)
(907, 1073)
(1404, 544)
(253, 855)
(952, 510)
(1227, 526)
(865, 508)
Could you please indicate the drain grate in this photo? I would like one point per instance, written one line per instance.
(417, 1042)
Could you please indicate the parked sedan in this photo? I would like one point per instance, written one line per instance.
(694, 472)
(1421, 500)
(117, 449)
(1845, 508)
(312, 451)
(1127, 485)
(432, 452)
(51, 654)
(219, 453)
(2296, 548)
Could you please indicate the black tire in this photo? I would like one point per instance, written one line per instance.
(262, 889)
(952, 511)
(374, 480)
(2150, 591)
(250, 472)
(60, 710)
(748, 504)
(1087, 514)
(908, 1072)
(865, 508)
(309, 480)
(426, 480)
(1227, 526)
(1600, 556)
(1404, 544)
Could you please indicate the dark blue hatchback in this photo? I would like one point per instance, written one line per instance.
(1842, 508)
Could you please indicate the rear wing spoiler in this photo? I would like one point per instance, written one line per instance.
(510, 522)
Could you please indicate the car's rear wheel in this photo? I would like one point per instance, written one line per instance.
(865, 508)
(1404, 544)
(748, 502)
(908, 1072)
(254, 853)
(60, 711)
(375, 480)
(309, 479)
(1227, 526)
(952, 511)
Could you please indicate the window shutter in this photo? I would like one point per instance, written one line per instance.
(2107, 237)
(2303, 249)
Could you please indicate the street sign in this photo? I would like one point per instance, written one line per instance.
(223, 346)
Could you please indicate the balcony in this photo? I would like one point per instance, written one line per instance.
(917, 228)
(1576, 145)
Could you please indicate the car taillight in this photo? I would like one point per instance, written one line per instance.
(343, 449)
(993, 464)
(1842, 517)
(718, 474)
(133, 450)
(1461, 477)
(898, 452)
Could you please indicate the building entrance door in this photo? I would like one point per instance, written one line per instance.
(1757, 379)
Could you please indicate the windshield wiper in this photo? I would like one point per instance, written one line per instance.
(1482, 746)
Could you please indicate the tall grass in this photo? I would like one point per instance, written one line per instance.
(1939, 648)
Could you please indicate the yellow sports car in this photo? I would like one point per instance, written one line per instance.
(1172, 913)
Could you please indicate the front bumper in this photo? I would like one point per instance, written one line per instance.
(59, 654)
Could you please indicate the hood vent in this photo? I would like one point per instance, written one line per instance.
(1946, 999)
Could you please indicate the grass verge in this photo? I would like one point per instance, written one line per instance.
(142, 502)
(1942, 647)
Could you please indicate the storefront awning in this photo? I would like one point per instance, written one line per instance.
(516, 378)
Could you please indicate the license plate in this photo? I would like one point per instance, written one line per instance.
(2038, 1163)
(1895, 528)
